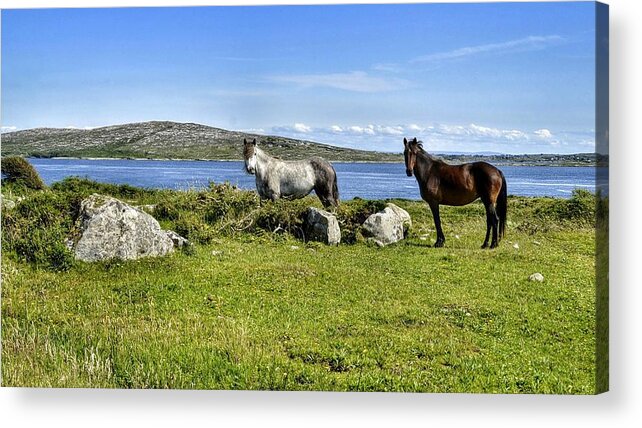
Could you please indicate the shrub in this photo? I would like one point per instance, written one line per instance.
(352, 214)
(282, 215)
(544, 214)
(191, 226)
(36, 230)
(85, 187)
(18, 170)
(580, 207)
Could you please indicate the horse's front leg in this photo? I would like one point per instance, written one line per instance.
(441, 239)
(273, 193)
(267, 191)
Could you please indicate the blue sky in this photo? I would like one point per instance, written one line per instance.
(505, 77)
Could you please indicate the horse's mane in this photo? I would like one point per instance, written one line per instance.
(427, 156)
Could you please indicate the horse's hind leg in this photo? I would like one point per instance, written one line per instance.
(494, 219)
(489, 226)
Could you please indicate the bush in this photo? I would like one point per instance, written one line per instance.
(544, 214)
(37, 229)
(17, 170)
(579, 208)
(282, 215)
(85, 187)
(191, 226)
(352, 214)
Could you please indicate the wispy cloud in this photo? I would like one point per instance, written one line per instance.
(8, 129)
(79, 127)
(544, 134)
(439, 137)
(299, 128)
(355, 81)
(529, 43)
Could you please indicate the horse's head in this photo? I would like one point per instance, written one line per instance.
(249, 154)
(411, 148)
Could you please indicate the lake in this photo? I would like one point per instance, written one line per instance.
(366, 180)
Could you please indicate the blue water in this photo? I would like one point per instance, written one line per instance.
(365, 180)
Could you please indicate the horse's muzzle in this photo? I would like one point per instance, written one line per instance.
(409, 172)
(250, 170)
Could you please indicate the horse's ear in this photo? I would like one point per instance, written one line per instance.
(414, 140)
(254, 141)
(405, 142)
(244, 140)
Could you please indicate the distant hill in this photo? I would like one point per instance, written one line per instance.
(168, 140)
(172, 140)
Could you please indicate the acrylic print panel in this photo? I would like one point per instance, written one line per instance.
(395, 197)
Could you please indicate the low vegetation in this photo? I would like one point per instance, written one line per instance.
(19, 172)
(250, 305)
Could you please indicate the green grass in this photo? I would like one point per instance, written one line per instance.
(247, 308)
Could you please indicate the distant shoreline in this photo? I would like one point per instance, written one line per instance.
(183, 159)
(475, 157)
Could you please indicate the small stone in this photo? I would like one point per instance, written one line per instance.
(516, 246)
(537, 277)
(423, 238)
(177, 239)
(69, 243)
(294, 247)
(456, 236)
(217, 252)
(537, 243)
(322, 226)
(387, 226)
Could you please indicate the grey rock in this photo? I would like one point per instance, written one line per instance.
(10, 203)
(7, 203)
(177, 239)
(402, 215)
(322, 226)
(112, 229)
(388, 226)
(536, 277)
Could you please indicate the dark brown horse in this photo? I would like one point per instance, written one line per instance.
(440, 183)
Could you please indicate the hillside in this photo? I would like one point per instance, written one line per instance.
(173, 140)
(168, 140)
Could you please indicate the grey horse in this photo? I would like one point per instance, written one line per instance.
(276, 178)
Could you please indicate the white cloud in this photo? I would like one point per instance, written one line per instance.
(78, 127)
(514, 134)
(8, 129)
(544, 134)
(388, 67)
(254, 130)
(301, 127)
(360, 130)
(355, 81)
(440, 137)
(519, 45)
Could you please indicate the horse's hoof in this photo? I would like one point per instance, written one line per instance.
(439, 244)
(484, 246)
(492, 246)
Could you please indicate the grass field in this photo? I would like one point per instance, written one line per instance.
(252, 309)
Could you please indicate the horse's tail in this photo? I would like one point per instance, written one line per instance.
(502, 206)
(335, 189)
